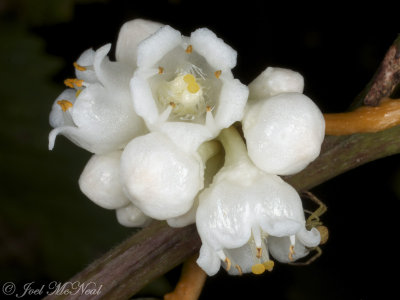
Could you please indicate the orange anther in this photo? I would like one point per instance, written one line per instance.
(65, 104)
(189, 49)
(79, 67)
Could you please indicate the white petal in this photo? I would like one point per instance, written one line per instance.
(159, 178)
(143, 101)
(279, 249)
(185, 219)
(243, 257)
(130, 35)
(208, 260)
(107, 119)
(187, 136)
(284, 133)
(223, 218)
(274, 81)
(101, 183)
(218, 54)
(277, 206)
(57, 116)
(231, 103)
(102, 121)
(112, 75)
(78, 137)
(131, 216)
(152, 49)
(86, 60)
(310, 238)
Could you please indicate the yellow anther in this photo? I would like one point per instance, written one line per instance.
(228, 263)
(269, 265)
(239, 269)
(65, 104)
(189, 49)
(79, 67)
(217, 73)
(291, 252)
(258, 269)
(172, 104)
(73, 82)
(193, 87)
(259, 252)
(77, 93)
(160, 70)
(208, 108)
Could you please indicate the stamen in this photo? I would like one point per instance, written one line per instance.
(189, 49)
(269, 265)
(217, 73)
(258, 269)
(291, 252)
(208, 108)
(228, 263)
(78, 92)
(72, 82)
(172, 104)
(79, 67)
(160, 70)
(165, 114)
(65, 104)
(239, 269)
(259, 252)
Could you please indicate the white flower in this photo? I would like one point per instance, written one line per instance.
(160, 178)
(211, 154)
(184, 86)
(283, 128)
(97, 112)
(100, 181)
(131, 216)
(242, 209)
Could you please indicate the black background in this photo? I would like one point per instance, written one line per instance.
(336, 50)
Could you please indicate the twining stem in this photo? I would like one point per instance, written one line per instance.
(364, 119)
(190, 283)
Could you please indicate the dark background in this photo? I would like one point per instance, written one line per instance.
(49, 230)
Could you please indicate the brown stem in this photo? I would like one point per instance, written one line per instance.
(124, 270)
(384, 81)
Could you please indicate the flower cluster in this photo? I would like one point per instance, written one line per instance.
(159, 121)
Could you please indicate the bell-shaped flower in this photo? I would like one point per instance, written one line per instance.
(284, 129)
(159, 178)
(96, 113)
(101, 182)
(212, 155)
(184, 86)
(242, 209)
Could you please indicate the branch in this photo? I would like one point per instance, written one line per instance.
(155, 250)
(124, 270)
(384, 81)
